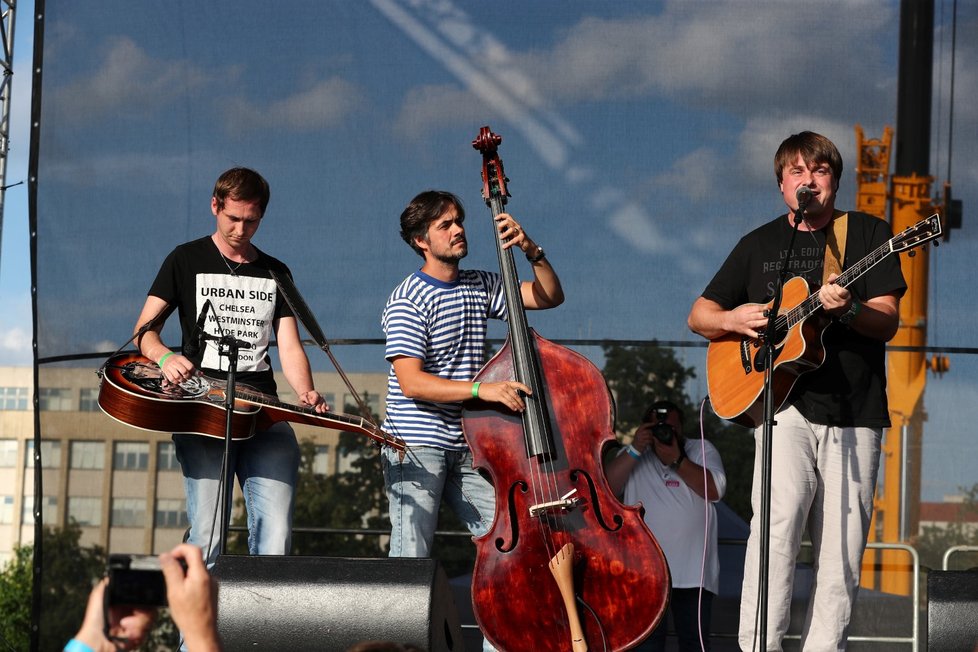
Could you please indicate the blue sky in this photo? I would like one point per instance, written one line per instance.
(638, 138)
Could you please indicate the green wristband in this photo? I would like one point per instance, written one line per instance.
(163, 359)
(475, 390)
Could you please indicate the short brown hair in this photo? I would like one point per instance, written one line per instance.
(242, 184)
(424, 209)
(814, 149)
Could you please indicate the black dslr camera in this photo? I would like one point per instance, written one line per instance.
(135, 580)
(661, 430)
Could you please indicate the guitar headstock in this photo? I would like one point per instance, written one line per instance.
(918, 234)
(493, 177)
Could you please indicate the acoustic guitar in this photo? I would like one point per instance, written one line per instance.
(133, 391)
(735, 363)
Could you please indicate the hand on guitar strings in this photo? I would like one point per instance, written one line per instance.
(835, 299)
(176, 368)
(749, 319)
(314, 399)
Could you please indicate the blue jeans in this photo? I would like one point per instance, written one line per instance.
(683, 605)
(416, 487)
(267, 467)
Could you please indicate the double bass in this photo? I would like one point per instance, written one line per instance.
(566, 566)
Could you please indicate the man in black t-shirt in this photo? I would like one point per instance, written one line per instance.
(826, 444)
(228, 271)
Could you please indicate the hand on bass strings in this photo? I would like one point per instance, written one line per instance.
(513, 235)
(509, 393)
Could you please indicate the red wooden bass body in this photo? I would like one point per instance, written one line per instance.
(566, 566)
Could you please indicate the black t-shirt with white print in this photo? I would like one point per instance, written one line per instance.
(244, 304)
(849, 389)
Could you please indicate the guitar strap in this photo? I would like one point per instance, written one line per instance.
(835, 245)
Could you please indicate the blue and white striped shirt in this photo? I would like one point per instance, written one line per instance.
(444, 325)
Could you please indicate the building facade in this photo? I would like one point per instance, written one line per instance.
(122, 485)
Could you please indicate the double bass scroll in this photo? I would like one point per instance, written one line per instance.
(565, 565)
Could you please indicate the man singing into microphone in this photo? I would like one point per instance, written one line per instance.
(826, 441)
(221, 285)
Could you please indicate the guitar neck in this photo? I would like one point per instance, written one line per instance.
(308, 415)
(808, 307)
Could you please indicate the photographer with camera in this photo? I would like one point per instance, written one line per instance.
(120, 615)
(677, 481)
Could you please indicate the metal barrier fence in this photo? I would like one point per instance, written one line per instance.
(953, 550)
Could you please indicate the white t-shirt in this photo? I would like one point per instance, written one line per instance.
(678, 516)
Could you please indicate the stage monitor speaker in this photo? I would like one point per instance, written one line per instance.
(952, 605)
(328, 603)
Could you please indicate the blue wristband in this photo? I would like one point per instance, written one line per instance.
(631, 450)
(74, 645)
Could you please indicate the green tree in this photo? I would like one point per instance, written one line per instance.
(350, 499)
(639, 375)
(15, 600)
(68, 572)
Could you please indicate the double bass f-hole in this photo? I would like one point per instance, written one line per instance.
(565, 565)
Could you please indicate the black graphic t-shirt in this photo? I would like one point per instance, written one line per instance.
(244, 304)
(849, 389)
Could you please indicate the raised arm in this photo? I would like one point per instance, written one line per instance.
(544, 291)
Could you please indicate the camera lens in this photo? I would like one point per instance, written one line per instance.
(663, 432)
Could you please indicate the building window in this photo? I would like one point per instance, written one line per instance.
(128, 512)
(131, 456)
(87, 455)
(88, 400)
(171, 513)
(49, 510)
(166, 457)
(50, 454)
(54, 399)
(8, 453)
(13, 398)
(320, 463)
(6, 510)
(86, 511)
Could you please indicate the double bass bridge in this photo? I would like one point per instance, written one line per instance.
(564, 505)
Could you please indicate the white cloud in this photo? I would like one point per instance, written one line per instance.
(694, 175)
(635, 226)
(325, 103)
(126, 77)
(716, 52)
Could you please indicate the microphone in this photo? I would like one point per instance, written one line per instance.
(197, 336)
(803, 195)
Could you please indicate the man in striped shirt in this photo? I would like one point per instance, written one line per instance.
(436, 322)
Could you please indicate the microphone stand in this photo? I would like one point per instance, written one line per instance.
(227, 347)
(769, 341)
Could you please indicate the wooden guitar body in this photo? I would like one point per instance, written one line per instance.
(134, 392)
(735, 369)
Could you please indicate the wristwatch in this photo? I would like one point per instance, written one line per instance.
(850, 314)
(679, 460)
(541, 254)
